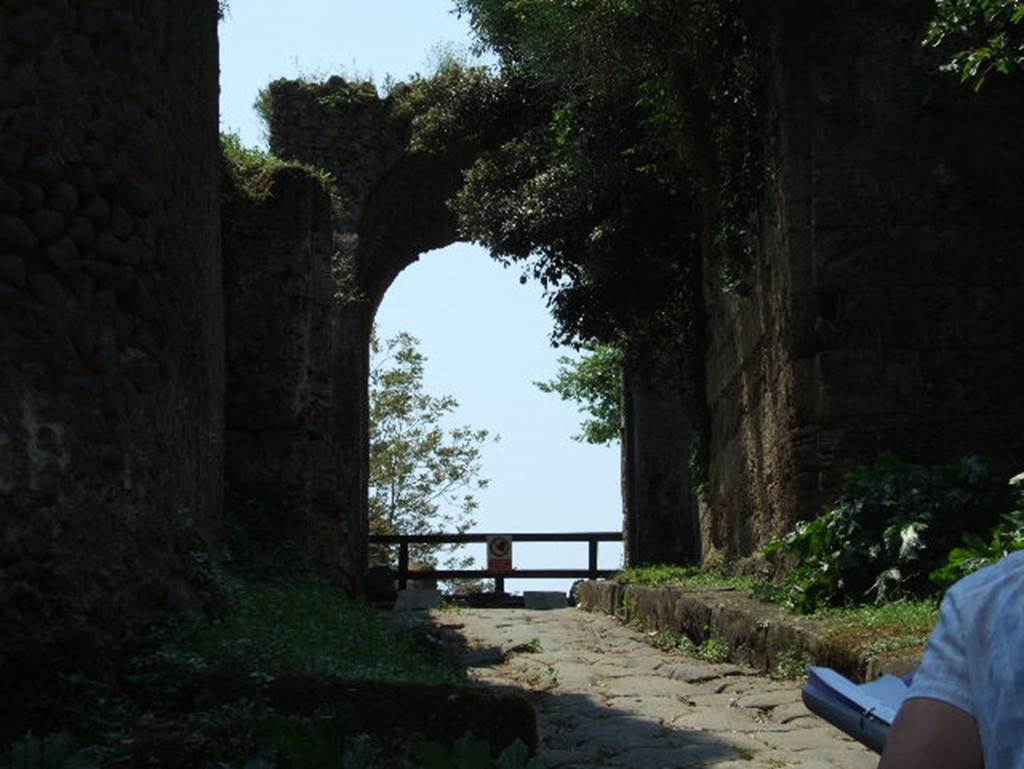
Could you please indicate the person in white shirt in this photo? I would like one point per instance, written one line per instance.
(966, 704)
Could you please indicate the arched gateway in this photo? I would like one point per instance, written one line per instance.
(388, 205)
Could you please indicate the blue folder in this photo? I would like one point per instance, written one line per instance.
(863, 711)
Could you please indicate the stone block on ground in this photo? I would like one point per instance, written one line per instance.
(413, 600)
(544, 599)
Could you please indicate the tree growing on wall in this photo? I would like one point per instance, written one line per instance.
(594, 381)
(423, 474)
(985, 37)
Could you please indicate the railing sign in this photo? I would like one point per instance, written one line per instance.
(499, 553)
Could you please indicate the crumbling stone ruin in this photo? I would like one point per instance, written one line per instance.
(146, 352)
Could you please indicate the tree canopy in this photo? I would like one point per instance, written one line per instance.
(638, 130)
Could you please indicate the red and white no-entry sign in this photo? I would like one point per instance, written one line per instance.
(499, 553)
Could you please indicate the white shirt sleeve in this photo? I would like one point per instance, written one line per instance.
(944, 674)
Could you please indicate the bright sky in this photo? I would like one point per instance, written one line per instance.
(485, 335)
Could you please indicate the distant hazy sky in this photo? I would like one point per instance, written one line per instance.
(485, 335)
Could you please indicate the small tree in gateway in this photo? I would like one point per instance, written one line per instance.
(594, 382)
(423, 475)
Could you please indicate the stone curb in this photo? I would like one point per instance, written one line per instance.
(758, 634)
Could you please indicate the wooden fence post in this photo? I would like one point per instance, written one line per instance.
(403, 565)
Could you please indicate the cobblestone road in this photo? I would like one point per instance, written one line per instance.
(606, 698)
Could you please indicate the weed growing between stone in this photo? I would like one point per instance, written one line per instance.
(714, 649)
(533, 646)
(791, 663)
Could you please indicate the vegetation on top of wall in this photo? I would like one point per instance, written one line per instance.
(458, 103)
(693, 577)
(987, 37)
(897, 627)
(251, 170)
(641, 129)
(333, 91)
(894, 525)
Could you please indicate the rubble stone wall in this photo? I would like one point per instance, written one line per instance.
(281, 468)
(390, 206)
(111, 325)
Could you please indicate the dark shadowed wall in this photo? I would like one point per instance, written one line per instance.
(889, 281)
(280, 464)
(111, 324)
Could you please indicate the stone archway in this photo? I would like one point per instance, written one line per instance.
(388, 207)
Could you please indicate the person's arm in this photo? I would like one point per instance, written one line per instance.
(936, 728)
(931, 734)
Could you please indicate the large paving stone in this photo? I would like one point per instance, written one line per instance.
(641, 686)
(768, 700)
(697, 672)
(660, 708)
(725, 721)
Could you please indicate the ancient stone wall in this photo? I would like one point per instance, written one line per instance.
(390, 206)
(281, 469)
(885, 309)
(659, 498)
(111, 347)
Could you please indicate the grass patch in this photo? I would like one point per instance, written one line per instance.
(308, 628)
(201, 691)
(882, 630)
(691, 577)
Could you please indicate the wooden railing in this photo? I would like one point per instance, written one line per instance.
(404, 540)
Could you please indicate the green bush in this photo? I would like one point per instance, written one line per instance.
(893, 525)
(54, 751)
(976, 553)
(469, 752)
